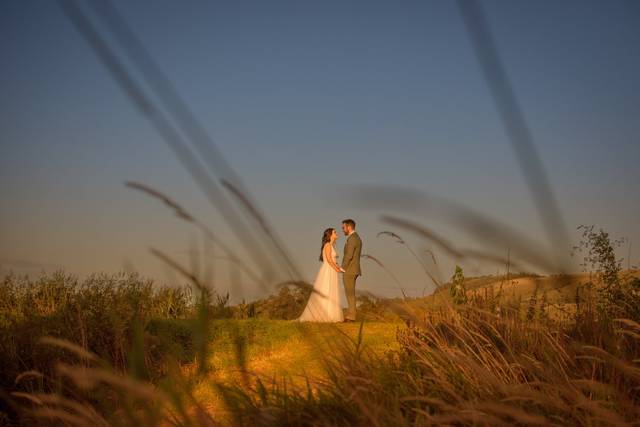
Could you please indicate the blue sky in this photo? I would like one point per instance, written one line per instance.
(309, 100)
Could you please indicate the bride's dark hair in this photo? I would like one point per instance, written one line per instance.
(326, 238)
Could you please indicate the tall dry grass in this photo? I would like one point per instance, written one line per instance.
(465, 367)
(455, 366)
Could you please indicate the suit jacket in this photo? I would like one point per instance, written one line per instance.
(351, 255)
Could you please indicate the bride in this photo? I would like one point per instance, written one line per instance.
(324, 302)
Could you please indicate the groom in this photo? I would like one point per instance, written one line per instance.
(351, 266)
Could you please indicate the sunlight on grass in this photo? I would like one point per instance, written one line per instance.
(277, 349)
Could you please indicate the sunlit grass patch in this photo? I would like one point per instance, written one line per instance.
(286, 348)
(282, 351)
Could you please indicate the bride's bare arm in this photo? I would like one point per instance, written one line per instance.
(329, 257)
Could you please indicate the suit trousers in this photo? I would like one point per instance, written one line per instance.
(349, 281)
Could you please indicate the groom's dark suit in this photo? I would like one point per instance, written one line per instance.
(351, 266)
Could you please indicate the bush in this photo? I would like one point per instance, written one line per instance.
(616, 298)
(287, 304)
(99, 314)
(457, 290)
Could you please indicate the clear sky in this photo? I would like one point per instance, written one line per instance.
(308, 101)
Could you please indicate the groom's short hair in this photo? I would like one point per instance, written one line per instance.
(351, 223)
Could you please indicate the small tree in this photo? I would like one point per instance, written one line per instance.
(600, 258)
(458, 290)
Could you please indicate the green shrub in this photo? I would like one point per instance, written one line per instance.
(98, 314)
(458, 290)
(616, 298)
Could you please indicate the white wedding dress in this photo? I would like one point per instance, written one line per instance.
(324, 302)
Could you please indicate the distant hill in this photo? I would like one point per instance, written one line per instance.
(559, 287)
(556, 294)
